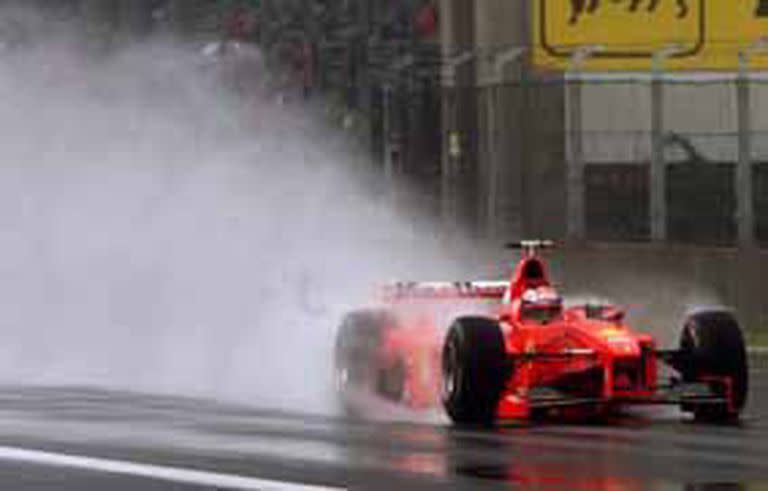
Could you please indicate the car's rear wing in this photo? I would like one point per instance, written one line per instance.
(445, 290)
(531, 247)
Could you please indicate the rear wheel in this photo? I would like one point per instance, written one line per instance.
(474, 370)
(357, 352)
(714, 350)
(391, 381)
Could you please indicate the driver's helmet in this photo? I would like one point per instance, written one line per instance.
(541, 304)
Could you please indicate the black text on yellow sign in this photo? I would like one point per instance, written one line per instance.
(706, 34)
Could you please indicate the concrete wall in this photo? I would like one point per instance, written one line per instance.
(659, 283)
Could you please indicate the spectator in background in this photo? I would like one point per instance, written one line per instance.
(426, 20)
(241, 25)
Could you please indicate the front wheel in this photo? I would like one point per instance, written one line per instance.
(474, 370)
(714, 350)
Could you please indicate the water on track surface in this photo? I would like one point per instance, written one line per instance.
(662, 451)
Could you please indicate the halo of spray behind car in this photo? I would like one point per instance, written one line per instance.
(162, 234)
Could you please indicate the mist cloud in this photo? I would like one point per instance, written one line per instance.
(159, 233)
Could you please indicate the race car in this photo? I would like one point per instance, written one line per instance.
(513, 351)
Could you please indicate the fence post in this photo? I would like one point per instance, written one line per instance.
(575, 184)
(743, 181)
(658, 177)
(500, 62)
(658, 174)
(452, 152)
(576, 208)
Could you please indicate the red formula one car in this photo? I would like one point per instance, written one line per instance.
(512, 351)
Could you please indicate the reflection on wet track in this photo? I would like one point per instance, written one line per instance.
(654, 450)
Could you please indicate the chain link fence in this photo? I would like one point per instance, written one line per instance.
(622, 130)
(605, 157)
(501, 150)
(512, 147)
(703, 142)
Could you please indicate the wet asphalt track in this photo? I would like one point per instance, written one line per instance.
(660, 450)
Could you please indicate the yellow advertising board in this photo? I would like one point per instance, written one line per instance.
(625, 34)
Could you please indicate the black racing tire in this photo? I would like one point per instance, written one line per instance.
(356, 353)
(713, 345)
(474, 371)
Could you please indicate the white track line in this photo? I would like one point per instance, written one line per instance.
(161, 473)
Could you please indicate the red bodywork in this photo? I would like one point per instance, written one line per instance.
(583, 360)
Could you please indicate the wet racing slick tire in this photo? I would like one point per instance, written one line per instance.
(713, 346)
(473, 369)
(357, 355)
